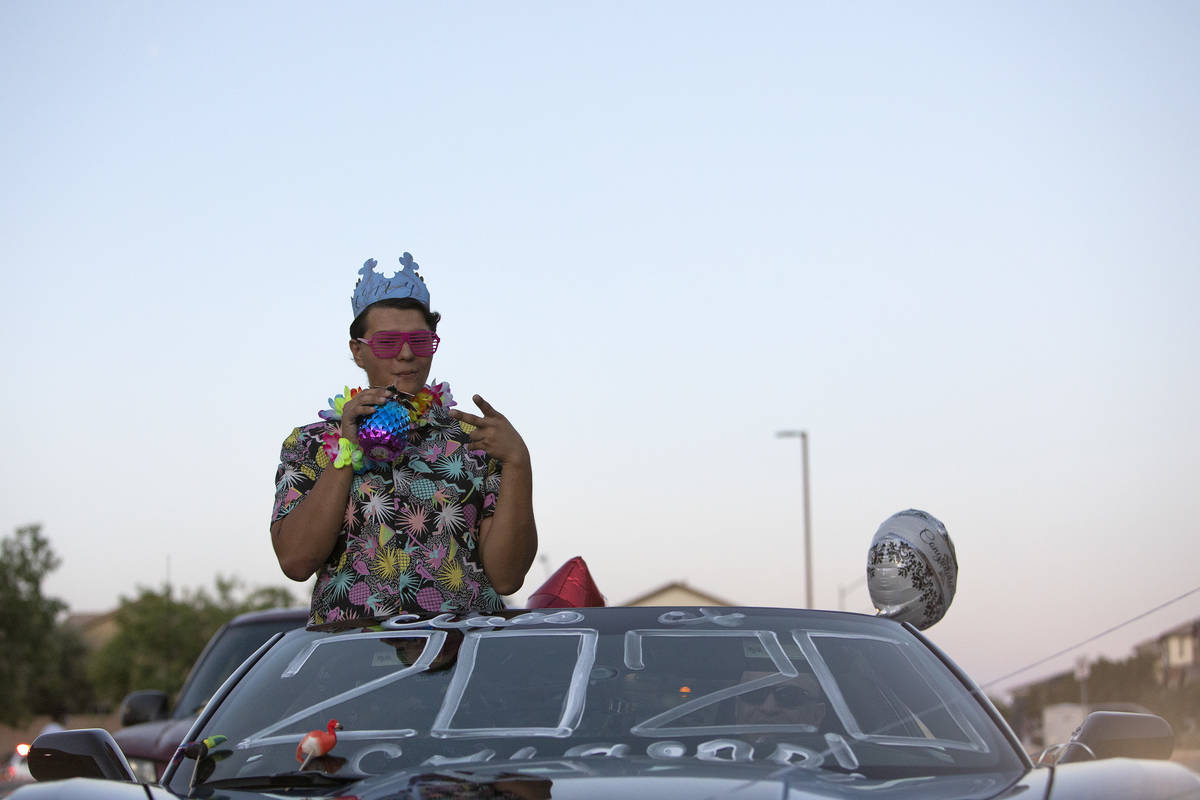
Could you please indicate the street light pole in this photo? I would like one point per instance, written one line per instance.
(808, 581)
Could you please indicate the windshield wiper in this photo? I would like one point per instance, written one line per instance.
(280, 780)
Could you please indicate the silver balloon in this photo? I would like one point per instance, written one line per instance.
(912, 569)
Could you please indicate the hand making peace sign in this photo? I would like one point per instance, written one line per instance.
(494, 434)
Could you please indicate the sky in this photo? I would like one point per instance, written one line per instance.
(954, 242)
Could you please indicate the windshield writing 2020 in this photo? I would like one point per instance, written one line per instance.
(537, 676)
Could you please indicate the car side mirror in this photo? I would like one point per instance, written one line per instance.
(144, 706)
(1118, 734)
(87, 753)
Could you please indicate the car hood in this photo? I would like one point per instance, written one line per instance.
(594, 787)
(596, 781)
(1115, 778)
(90, 789)
(156, 740)
(1107, 779)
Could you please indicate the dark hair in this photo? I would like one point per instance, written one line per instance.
(359, 326)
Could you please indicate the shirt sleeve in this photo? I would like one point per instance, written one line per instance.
(301, 461)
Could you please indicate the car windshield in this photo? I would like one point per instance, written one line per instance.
(814, 691)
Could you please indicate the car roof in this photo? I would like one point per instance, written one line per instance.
(300, 615)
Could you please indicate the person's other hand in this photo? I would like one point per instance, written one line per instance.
(494, 434)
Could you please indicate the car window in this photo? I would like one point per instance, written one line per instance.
(883, 694)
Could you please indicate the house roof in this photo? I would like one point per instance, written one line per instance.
(83, 620)
(678, 586)
(1189, 628)
(94, 628)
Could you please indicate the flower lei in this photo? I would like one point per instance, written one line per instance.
(427, 407)
(344, 452)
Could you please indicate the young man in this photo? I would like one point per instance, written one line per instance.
(403, 511)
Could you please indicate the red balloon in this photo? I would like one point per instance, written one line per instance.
(570, 587)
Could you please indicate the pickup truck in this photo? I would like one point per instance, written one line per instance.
(152, 730)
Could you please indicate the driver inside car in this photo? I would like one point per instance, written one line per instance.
(794, 701)
(409, 649)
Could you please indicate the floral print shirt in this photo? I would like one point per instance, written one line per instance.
(409, 541)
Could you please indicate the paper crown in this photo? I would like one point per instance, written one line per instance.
(373, 287)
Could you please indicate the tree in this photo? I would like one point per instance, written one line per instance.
(1124, 681)
(160, 635)
(31, 638)
(63, 687)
